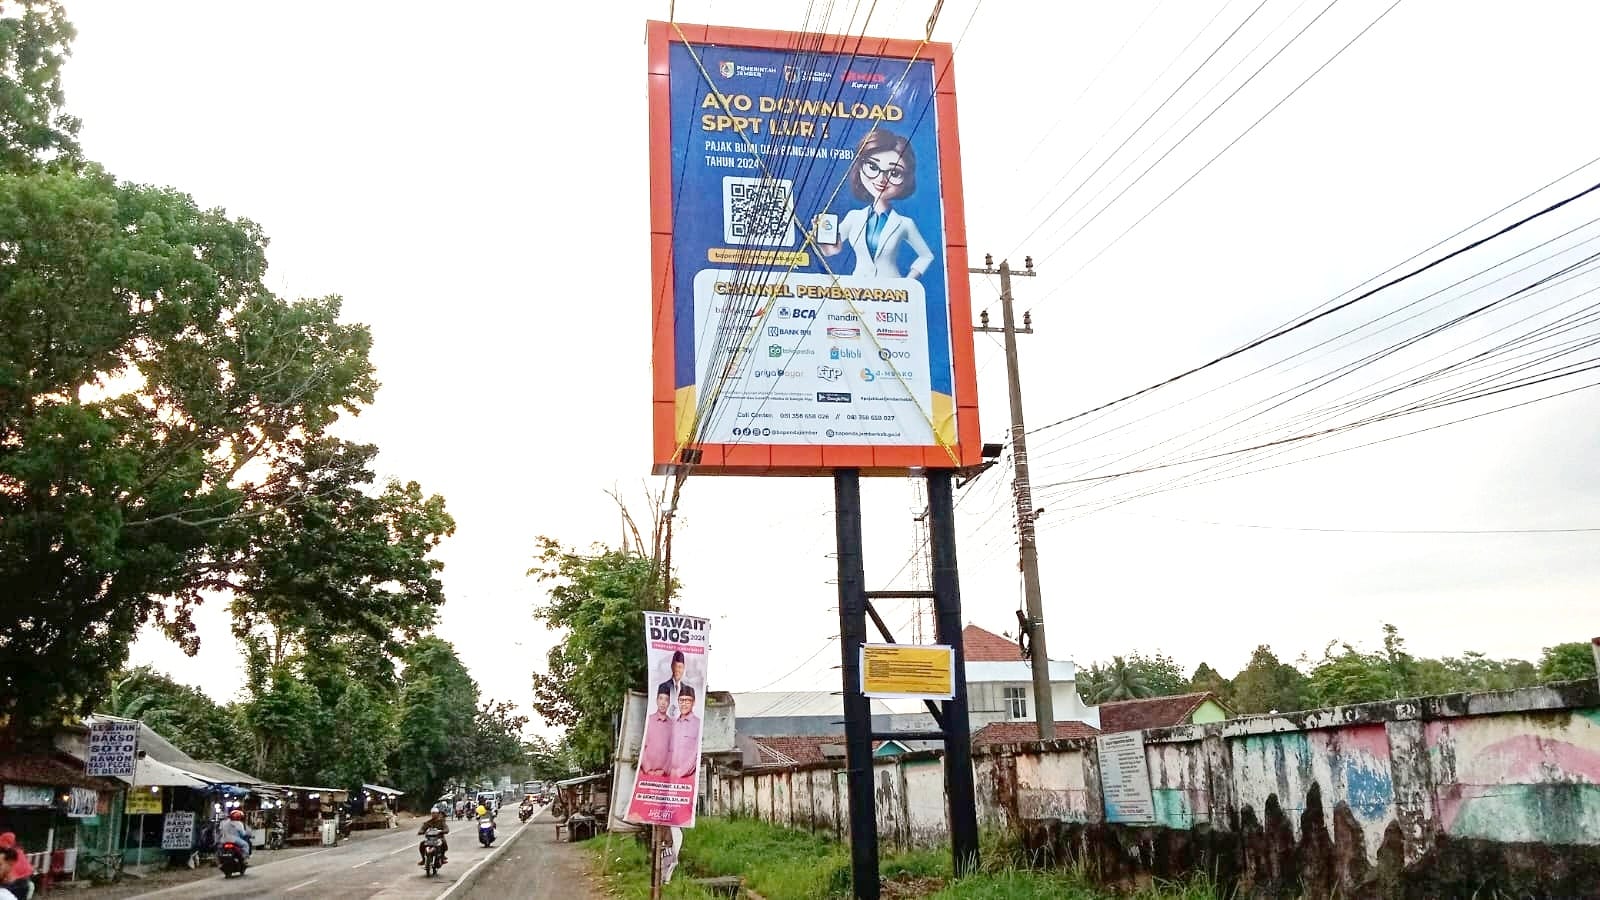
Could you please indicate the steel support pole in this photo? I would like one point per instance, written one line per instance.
(857, 709)
(947, 623)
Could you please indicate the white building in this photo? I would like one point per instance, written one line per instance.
(1000, 683)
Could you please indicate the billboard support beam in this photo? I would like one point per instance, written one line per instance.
(857, 708)
(957, 729)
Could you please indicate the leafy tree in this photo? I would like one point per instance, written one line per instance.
(496, 739)
(283, 716)
(362, 738)
(331, 560)
(162, 423)
(597, 600)
(192, 721)
(1566, 662)
(437, 719)
(1132, 677)
(1206, 678)
(33, 47)
(549, 761)
(1267, 684)
(1160, 673)
(1351, 676)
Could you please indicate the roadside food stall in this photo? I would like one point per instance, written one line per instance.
(581, 806)
(156, 790)
(57, 812)
(310, 812)
(374, 807)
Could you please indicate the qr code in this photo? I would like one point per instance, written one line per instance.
(758, 211)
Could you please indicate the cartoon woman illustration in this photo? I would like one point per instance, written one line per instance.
(884, 170)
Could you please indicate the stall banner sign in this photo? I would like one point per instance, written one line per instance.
(177, 830)
(1125, 778)
(113, 747)
(143, 801)
(815, 312)
(908, 671)
(83, 803)
(668, 776)
(28, 795)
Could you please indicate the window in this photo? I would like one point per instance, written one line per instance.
(1017, 702)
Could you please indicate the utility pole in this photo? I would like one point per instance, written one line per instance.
(1043, 702)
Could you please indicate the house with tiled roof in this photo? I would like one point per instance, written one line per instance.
(1198, 708)
(1022, 732)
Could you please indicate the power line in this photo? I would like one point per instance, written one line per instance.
(1391, 531)
(1327, 312)
(1230, 145)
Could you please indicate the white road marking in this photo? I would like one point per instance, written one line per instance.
(299, 886)
(365, 862)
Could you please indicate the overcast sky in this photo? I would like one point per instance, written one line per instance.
(471, 179)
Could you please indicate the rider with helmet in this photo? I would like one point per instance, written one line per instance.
(233, 829)
(438, 819)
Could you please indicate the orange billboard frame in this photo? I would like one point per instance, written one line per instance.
(805, 460)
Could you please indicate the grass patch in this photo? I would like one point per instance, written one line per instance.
(781, 864)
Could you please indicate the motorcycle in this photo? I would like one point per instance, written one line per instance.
(525, 812)
(230, 858)
(432, 851)
(275, 835)
(486, 831)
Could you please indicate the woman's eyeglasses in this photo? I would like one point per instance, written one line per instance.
(872, 170)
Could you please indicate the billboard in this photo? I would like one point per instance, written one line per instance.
(669, 753)
(809, 266)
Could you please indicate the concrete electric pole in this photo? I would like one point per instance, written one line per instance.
(1043, 701)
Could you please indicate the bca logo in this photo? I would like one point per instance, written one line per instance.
(726, 68)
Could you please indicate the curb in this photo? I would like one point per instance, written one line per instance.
(471, 876)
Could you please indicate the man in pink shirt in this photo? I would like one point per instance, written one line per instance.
(655, 756)
(18, 880)
(685, 757)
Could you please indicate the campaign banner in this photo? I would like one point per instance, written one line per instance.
(667, 779)
(113, 746)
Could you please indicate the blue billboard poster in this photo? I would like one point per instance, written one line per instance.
(810, 286)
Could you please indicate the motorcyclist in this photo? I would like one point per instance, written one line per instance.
(233, 829)
(440, 821)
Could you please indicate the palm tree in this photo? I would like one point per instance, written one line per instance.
(1120, 681)
(130, 700)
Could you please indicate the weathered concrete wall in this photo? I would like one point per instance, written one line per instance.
(1440, 796)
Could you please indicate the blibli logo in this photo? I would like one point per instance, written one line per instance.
(843, 353)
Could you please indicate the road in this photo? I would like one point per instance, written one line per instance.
(537, 868)
(383, 868)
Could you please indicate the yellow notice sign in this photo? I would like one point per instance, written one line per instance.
(143, 801)
(901, 670)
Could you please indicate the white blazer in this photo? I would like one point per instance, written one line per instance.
(897, 230)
